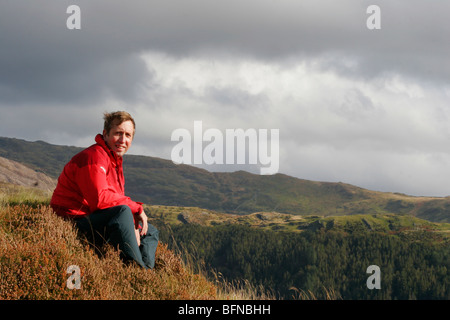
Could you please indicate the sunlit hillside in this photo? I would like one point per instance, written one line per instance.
(37, 248)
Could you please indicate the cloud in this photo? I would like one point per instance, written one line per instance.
(41, 59)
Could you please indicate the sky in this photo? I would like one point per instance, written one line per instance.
(353, 104)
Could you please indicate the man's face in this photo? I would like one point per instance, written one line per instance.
(119, 137)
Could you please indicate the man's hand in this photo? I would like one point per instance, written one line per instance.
(141, 218)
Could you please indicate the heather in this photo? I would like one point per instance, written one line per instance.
(37, 247)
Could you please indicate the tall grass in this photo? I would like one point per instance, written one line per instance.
(14, 194)
(326, 294)
(225, 289)
(37, 247)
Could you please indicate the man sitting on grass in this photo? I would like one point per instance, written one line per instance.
(90, 191)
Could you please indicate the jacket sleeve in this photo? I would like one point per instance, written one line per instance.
(94, 186)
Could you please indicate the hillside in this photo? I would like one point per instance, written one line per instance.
(281, 222)
(327, 256)
(37, 247)
(16, 173)
(160, 182)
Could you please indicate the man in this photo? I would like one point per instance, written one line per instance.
(90, 191)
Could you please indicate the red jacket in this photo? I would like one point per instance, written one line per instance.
(92, 180)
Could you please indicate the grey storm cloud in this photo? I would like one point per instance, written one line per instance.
(41, 59)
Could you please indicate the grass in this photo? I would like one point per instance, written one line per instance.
(37, 247)
(299, 294)
(11, 194)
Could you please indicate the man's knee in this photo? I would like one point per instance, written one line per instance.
(122, 219)
(124, 209)
(122, 213)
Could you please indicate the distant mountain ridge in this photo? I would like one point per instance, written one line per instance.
(158, 181)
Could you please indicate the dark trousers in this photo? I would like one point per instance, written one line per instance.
(115, 226)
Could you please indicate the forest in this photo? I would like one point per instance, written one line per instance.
(320, 261)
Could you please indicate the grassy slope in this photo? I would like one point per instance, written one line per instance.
(37, 247)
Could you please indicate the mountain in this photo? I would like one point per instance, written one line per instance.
(16, 173)
(158, 181)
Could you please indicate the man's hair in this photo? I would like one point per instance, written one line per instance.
(115, 119)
